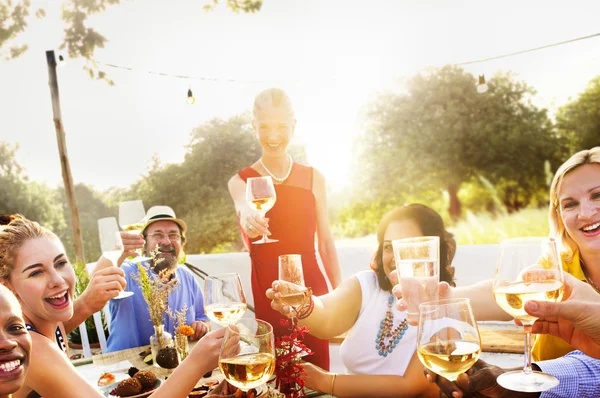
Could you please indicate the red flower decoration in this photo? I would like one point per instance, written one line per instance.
(288, 368)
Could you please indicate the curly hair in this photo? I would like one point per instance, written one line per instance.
(15, 230)
(431, 224)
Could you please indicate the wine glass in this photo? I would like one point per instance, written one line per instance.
(418, 267)
(111, 244)
(247, 356)
(131, 219)
(527, 269)
(260, 195)
(290, 270)
(224, 298)
(448, 341)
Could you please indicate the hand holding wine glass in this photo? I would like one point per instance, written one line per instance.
(527, 269)
(111, 244)
(448, 341)
(131, 219)
(247, 357)
(261, 196)
(224, 298)
(418, 266)
(294, 293)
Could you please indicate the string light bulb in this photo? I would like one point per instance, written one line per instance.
(482, 87)
(61, 60)
(191, 100)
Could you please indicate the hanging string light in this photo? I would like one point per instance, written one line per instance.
(190, 97)
(482, 87)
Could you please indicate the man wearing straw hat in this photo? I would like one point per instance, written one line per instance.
(162, 240)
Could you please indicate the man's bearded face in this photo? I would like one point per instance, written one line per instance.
(163, 245)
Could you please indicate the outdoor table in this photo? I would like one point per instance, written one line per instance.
(99, 363)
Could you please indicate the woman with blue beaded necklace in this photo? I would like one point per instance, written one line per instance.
(380, 349)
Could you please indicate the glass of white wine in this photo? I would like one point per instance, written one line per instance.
(261, 196)
(448, 338)
(418, 266)
(131, 219)
(290, 270)
(224, 298)
(527, 269)
(247, 356)
(111, 244)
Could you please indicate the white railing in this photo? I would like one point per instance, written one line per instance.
(472, 263)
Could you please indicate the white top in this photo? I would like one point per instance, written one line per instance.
(358, 351)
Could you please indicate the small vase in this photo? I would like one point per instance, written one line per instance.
(183, 348)
(160, 343)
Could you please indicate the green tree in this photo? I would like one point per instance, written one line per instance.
(440, 133)
(578, 122)
(19, 195)
(80, 41)
(91, 206)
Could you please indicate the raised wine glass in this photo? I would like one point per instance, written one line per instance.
(247, 356)
(111, 245)
(448, 341)
(418, 267)
(261, 196)
(527, 269)
(224, 298)
(131, 219)
(290, 270)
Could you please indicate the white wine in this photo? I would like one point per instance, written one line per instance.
(449, 358)
(248, 371)
(134, 228)
(512, 298)
(294, 299)
(226, 314)
(263, 204)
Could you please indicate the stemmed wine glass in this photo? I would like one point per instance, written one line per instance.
(418, 266)
(224, 298)
(290, 270)
(448, 341)
(131, 219)
(111, 244)
(261, 196)
(247, 356)
(527, 269)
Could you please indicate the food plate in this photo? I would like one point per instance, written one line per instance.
(107, 389)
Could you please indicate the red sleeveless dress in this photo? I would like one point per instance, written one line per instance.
(293, 222)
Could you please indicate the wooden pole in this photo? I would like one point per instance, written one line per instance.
(64, 158)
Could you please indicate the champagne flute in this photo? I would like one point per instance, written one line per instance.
(247, 356)
(261, 196)
(527, 269)
(448, 341)
(224, 298)
(418, 267)
(290, 270)
(131, 219)
(111, 244)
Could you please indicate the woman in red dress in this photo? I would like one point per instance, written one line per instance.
(299, 212)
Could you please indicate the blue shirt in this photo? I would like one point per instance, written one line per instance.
(130, 320)
(579, 376)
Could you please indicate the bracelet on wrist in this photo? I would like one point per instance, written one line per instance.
(306, 309)
(332, 384)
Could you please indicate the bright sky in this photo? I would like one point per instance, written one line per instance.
(331, 57)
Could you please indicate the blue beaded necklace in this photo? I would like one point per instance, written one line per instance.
(385, 332)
